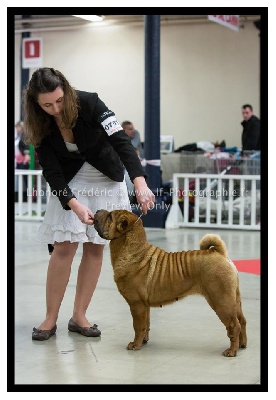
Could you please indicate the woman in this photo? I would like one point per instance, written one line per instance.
(82, 150)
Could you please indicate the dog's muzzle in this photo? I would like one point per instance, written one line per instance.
(97, 224)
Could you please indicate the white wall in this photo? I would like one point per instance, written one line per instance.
(207, 72)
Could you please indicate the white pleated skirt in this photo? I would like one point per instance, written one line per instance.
(91, 188)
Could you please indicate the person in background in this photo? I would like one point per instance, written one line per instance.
(134, 137)
(21, 158)
(22, 152)
(82, 150)
(251, 129)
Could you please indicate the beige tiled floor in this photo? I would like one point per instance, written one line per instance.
(186, 340)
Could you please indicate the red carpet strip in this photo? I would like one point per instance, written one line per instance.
(250, 266)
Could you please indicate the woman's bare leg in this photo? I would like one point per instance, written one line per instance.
(88, 275)
(58, 274)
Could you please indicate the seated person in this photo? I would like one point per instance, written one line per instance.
(134, 136)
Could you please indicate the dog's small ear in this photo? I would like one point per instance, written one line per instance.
(124, 223)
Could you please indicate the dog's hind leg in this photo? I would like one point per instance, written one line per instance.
(233, 328)
(146, 338)
(242, 321)
(140, 316)
(243, 335)
(226, 310)
(227, 313)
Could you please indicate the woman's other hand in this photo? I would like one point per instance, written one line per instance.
(144, 195)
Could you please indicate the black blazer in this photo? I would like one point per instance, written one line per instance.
(101, 141)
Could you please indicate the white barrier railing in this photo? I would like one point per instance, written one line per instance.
(37, 193)
(215, 201)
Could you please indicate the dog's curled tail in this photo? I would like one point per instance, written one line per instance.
(215, 241)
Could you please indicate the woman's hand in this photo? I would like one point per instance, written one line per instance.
(144, 195)
(83, 213)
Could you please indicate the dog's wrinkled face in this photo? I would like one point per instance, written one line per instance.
(113, 224)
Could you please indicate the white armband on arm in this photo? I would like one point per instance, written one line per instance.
(110, 124)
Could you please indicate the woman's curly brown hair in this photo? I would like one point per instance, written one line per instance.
(36, 120)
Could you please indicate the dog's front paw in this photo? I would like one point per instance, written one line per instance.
(229, 353)
(133, 346)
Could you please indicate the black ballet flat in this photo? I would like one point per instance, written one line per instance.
(40, 334)
(91, 331)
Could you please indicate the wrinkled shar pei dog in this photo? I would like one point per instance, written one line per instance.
(147, 276)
